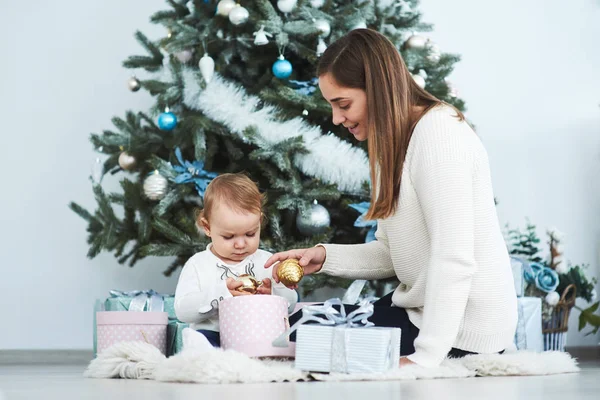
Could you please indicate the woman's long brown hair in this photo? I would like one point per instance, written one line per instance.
(365, 59)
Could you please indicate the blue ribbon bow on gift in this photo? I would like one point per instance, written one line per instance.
(142, 299)
(326, 314)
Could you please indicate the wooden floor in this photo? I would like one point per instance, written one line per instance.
(57, 382)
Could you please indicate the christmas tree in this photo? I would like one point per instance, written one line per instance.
(236, 91)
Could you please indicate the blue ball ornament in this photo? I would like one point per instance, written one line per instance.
(282, 68)
(167, 121)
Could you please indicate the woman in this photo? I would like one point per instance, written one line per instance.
(432, 197)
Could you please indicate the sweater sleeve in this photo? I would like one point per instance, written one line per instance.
(444, 186)
(359, 261)
(196, 297)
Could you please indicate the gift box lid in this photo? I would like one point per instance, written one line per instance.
(132, 318)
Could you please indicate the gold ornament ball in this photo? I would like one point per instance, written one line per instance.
(290, 272)
(249, 283)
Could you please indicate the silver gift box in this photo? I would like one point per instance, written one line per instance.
(518, 266)
(529, 326)
(322, 348)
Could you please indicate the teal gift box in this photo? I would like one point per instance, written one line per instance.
(140, 301)
(175, 336)
(143, 300)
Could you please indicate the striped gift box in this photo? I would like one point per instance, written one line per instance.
(322, 348)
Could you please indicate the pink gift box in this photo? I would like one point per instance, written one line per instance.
(124, 326)
(249, 324)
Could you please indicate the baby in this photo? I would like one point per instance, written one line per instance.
(232, 218)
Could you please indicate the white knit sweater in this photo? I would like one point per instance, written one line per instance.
(444, 244)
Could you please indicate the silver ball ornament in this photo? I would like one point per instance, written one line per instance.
(155, 186)
(360, 25)
(184, 56)
(323, 27)
(419, 80)
(286, 6)
(317, 3)
(238, 15)
(313, 221)
(134, 84)
(416, 42)
(126, 161)
(224, 7)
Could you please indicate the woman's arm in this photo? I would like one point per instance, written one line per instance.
(359, 261)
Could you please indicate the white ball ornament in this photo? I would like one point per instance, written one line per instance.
(238, 15)
(224, 7)
(286, 6)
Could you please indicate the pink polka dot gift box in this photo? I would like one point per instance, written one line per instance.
(124, 326)
(249, 324)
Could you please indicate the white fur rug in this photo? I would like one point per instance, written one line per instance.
(139, 360)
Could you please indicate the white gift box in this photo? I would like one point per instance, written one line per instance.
(529, 326)
(322, 348)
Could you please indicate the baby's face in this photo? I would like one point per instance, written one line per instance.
(234, 234)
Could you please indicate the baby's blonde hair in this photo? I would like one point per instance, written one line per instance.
(237, 191)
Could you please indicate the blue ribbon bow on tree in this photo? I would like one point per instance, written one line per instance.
(193, 172)
(305, 87)
(361, 222)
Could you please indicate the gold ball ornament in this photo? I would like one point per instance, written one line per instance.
(249, 283)
(290, 272)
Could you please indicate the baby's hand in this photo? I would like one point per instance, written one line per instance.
(265, 288)
(232, 285)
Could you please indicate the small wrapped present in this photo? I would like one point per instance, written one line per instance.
(337, 342)
(133, 301)
(123, 326)
(529, 326)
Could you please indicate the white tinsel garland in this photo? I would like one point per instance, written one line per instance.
(329, 159)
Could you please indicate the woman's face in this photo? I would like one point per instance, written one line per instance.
(348, 106)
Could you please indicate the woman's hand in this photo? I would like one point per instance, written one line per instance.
(232, 285)
(311, 260)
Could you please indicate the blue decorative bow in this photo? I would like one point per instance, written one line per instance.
(546, 279)
(326, 314)
(361, 222)
(192, 172)
(305, 87)
(148, 300)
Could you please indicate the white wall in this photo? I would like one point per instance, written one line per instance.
(529, 75)
(61, 79)
(526, 74)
